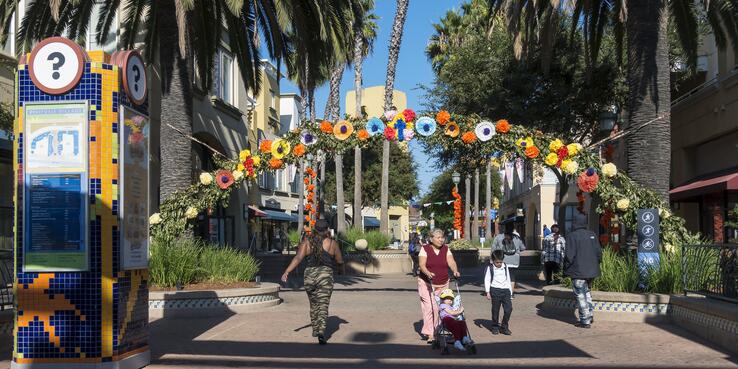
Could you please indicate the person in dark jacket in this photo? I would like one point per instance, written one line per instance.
(582, 264)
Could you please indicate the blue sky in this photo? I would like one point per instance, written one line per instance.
(413, 67)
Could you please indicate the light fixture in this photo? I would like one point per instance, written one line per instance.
(456, 177)
(608, 118)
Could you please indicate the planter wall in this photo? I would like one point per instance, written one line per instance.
(714, 320)
(378, 262)
(212, 303)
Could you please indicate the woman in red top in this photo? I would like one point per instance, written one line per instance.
(435, 259)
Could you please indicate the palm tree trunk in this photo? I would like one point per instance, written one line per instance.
(335, 93)
(358, 61)
(394, 54)
(340, 208)
(475, 220)
(649, 148)
(563, 197)
(467, 198)
(176, 106)
(311, 103)
(488, 204)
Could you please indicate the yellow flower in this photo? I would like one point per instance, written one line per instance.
(573, 148)
(552, 159)
(238, 174)
(206, 178)
(280, 148)
(244, 154)
(609, 170)
(240, 166)
(555, 145)
(257, 160)
(570, 166)
(524, 142)
(155, 219)
(623, 204)
(191, 213)
(495, 162)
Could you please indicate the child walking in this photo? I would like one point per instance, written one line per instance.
(499, 289)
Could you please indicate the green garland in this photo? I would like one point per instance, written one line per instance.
(616, 190)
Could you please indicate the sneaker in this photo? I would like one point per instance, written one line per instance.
(512, 296)
(321, 339)
(424, 337)
(506, 331)
(466, 340)
(495, 331)
(459, 346)
(583, 325)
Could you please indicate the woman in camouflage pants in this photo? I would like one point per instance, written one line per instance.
(320, 250)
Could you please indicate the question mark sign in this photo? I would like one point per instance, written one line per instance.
(136, 76)
(58, 63)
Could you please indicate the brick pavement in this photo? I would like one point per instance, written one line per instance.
(374, 322)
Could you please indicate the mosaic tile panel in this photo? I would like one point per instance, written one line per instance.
(610, 306)
(98, 315)
(211, 302)
(705, 320)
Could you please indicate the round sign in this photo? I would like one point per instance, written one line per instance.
(648, 244)
(134, 76)
(56, 65)
(648, 231)
(647, 217)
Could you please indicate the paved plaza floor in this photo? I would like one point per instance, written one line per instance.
(374, 322)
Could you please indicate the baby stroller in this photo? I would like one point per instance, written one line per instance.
(442, 336)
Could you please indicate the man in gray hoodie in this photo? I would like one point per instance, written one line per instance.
(511, 245)
(582, 264)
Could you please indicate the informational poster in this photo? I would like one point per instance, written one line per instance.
(134, 213)
(55, 187)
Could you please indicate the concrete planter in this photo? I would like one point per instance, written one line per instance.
(212, 303)
(714, 320)
(378, 262)
(466, 258)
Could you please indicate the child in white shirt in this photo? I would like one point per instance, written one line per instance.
(498, 286)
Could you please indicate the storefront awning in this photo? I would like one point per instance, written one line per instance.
(705, 186)
(279, 216)
(257, 211)
(371, 222)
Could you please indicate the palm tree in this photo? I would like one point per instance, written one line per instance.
(365, 32)
(186, 35)
(394, 54)
(644, 24)
(475, 219)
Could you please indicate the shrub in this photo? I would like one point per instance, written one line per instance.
(294, 237)
(175, 262)
(462, 244)
(350, 236)
(226, 264)
(377, 240)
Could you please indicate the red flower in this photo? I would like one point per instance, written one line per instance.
(409, 115)
(588, 180)
(389, 133)
(224, 179)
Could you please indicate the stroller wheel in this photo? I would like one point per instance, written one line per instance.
(444, 350)
(472, 349)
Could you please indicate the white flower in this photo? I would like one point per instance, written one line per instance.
(191, 213)
(571, 167)
(237, 175)
(155, 219)
(664, 214)
(609, 170)
(206, 178)
(669, 248)
(623, 204)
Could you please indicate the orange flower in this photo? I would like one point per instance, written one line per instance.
(468, 137)
(311, 187)
(306, 181)
(299, 150)
(443, 117)
(532, 152)
(266, 146)
(326, 126)
(310, 197)
(309, 171)
(363, 134)
(275, 163)
(308, 207)
(502, 126)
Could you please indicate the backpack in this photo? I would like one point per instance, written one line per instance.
(509, 248)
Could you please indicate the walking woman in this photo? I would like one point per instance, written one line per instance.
(435, 259)
(320, 250)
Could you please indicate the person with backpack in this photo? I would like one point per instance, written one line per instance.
(582, 264)
(498, 285)
(511, 246)
(413, 249)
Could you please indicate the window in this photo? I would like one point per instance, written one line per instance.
(273, 101)
(571, 209)
(224, 80)
(278, 179)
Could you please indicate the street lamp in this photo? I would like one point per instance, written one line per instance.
(608, 118)
(456, 178)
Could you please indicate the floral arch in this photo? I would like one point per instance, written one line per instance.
(477, 138)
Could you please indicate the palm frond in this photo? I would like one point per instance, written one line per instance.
(685, 21)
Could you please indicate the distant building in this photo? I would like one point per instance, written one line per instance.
(372, 101)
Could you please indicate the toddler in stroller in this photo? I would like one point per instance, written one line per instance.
(452, 327)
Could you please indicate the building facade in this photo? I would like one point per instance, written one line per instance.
(704, 136)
